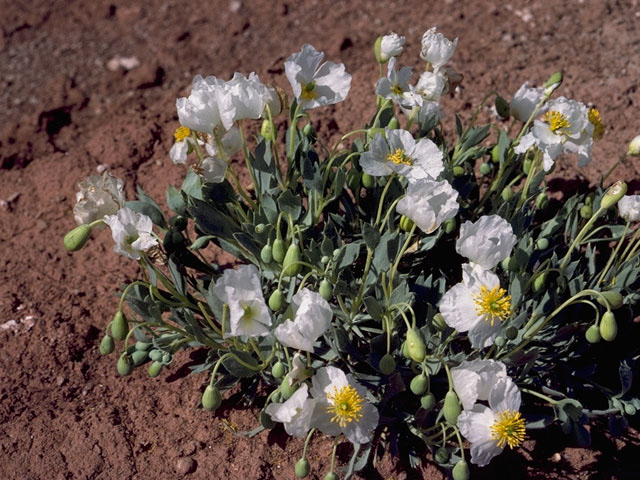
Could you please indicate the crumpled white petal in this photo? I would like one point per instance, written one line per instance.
(436, 48)
(525, 101)
(629, 207)
(473, 380)
(391, 46)
(429, 203)
(98, 196)
(312, 318)
(487, 241)
(296, 413)
(131, 232)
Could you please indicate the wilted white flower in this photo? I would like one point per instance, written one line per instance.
(431, 85)
(486, 242)
(391, 46)
(295, 413)
(525, 100)
(231, 143)
(200, 111)
(298, 369)
(400, 153)
(244, 97)
(476, 305)
(131, 231)
(342, 406)
(98, 196)
(491, 428)
(213, 169)
(180, 148)
(396, 83)
(242, 291)
(429, 203)
(634, 147)
(312, 317)
(436, 49)
(473, 380)
(629, 207)
(314, 84)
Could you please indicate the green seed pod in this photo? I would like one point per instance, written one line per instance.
(428, 401)
(142, 346)
(367, 180)
(500, 341)
(442, 455)
(276, 300)
(76, 238)
(325, 290)
(154, 369)
(259, 228)
(586, 211)
(211, 398)
(526, 166)
(449, 225)
(461, 471)
(119, 326)
(291, 266)
(554, 81)
(331, 476)
(507, 194)
(629, 409)
(287, 390)
(277, 370)
(310, 132)
(387, 364)
(542, 243)
(418, 384)
(438, 322)
(155, 355)
(406, 224)
(458, 171)
(302, 468)
(485, 168)
(608, 327)
(107, 345)
(139, 357)
(266, 421)
(511, 332)
(415, 345)
(124, 365)
(393, 124)
(540, 282)
(502, 107)
(613, 298)
(593, 334)
(278, 250)
(495, 154)
(451, 408)
(325, 259)
(613, 194)
(266, 254)
(542, 201)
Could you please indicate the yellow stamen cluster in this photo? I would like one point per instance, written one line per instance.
(400, 157)
(557, 121)
(308, 92)
(508, 429)
(596, 121)
(345, 405)
(494, 303)
(181, 133)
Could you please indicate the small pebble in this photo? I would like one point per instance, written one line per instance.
(185, 466)
(556, 457)
(235, 6)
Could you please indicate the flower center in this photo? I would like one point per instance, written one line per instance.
(308, 92)
(181, 133)
(556, 121)
(596, 121)
(397, 90)
(494, 303)
(508, 429)
(249, 312)
(400, 157)
(345, 405)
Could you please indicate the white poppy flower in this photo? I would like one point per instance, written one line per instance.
(213, 169)
(431, 85)
(295, 413)
(391, 46)
(476, 305)
(199, 111)
(395, 84)
(429, 203)
(98, 196)
(525, 100)
(486, 242)
(242, 291)
(400, 153)
(629, 207)
(436, 49)
(244, 97)
(342, 406)
(314, 84)
(490, 429)
(473, 380)
(312, 317)
(131, 231)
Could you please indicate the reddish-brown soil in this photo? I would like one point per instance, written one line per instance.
(64, 411)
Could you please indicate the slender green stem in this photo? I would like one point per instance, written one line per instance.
(579, 237)
(539, 395)
(384, 194)
(292, 131)
(615, 165)
(613, 255)
(247, 159)
(406, 244)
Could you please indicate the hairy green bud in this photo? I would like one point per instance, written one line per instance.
(613, 194)
(277, 370)
(542, 201)
(415, 345)
(291, 266)
(458, 171)
(526, 166)
(124, 365)
(211, 398)
(287, 390)
(418, 384)
(555, 80)
(266, 254)
(107, 345)
(139, 357)
(325, 290)
(634, 147)
(507, 194)
(119, 326)
(586, 211)
(367, 180)
(260, 228)
(406, 224)
(331, 476)
(502, 107)
(278, 250)
(387, 364)
(461, 471)
(376, 51)
(449, 225)
(451, 408)
(325, 259)
(612, 298)
(485, 168)
(302, 468)
(442, 455)
(593, 334)
(393, 123)
(438, 322)
(428, 401)
(540, 282)
(276, 300)
(76, 238)
(267, 131)
(608, 327)
(154, 369)
(500, 341)
(542, 243)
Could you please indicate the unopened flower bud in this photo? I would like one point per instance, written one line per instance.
(449, 225)
(325, 290)
(630, 409)
(540, 282)
(507, 194)
(139, 357)
(286, 390)
(634, 147)
(441, 456)
(586, 211)
(266, 130)
(302, 467)
(553, 83)
(438, 322)
(259, 228)
(277, 370)
(154, 369)
(612, 299)
(542, 243)
(278, 250)
(418, 384)
(415, 345)
(458, 171)
(428, 401)
(325, 259)
(502, 107)
(495, 154)
(376, 50)
(511, 332)
(510, 264)
(373, 131)
(119, 326)
(331, 476)
(393, 124)
(124, 365)
(613, 194)
(500, 341)
(461, 471)
(387, 364)
(107, 345)
(76, 238)
(608, 326)
(485, 168)
(406, 224)
(542, 201)
(291, 266)
(451, 408)
(266, 254)
(368, 181)
(211, 398)
(593, 334)
(310, 132)
(276, 300)
(526, 165)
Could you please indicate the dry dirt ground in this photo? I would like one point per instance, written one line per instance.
(68, 106)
